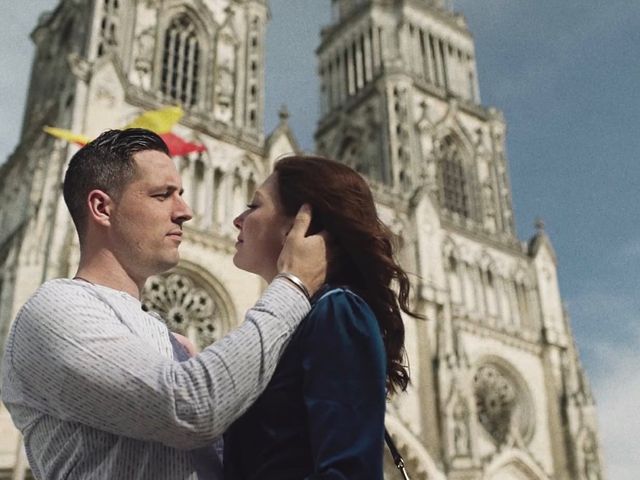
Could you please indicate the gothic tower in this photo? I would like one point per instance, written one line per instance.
(497, 389)
(98, 65)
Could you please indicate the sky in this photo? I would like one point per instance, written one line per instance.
(566, 75)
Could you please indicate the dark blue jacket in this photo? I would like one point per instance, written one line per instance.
(322, 414)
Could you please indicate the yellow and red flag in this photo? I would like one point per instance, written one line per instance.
(178, 146)
(160, 121)
(67, 135)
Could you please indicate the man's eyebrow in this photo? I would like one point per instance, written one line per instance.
(170, 187)
(175, 188)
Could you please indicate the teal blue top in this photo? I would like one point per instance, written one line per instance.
(322, 414)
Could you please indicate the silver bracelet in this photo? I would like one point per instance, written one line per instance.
(296, 281)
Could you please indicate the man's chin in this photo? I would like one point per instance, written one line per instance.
(167, 264)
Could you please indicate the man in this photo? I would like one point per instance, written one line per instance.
(89, 378)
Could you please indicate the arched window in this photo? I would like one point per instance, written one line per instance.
(108, 26)
(181, 62)
(454, 184)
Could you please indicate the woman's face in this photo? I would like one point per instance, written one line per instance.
(263, 227)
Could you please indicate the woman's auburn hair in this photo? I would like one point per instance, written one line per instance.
(361, 248)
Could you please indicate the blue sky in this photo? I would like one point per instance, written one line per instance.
(566, 75)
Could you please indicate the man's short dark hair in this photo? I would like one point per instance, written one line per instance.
(106, 164)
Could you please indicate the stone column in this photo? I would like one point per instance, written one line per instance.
(358, 64)
(368, 60)
(324, 90)
(339, 80)
(416, 50)
(227, 202)
(190, 184)
(350, 72)
(376, 48)
(444, 63)
(208, 189)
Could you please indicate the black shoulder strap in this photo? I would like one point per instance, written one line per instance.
(397, 458)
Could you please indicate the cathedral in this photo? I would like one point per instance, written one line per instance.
(497, 391)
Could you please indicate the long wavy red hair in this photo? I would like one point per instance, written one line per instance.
(362, 252)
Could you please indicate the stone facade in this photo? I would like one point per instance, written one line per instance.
(497, 389)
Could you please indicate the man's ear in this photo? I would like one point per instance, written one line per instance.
(100, 207)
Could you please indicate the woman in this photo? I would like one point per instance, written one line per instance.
(322, 415)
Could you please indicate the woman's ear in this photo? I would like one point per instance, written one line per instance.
(100, 207)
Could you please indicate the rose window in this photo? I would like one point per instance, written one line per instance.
(186, 309)
(503, 406)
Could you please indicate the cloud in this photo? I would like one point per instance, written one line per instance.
(606, 322)
(617, 390)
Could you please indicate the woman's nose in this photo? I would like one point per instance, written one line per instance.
(237, 222)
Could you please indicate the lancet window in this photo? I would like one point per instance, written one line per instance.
(454, 183)
(350, 68)
(253, 75)
(181, 62)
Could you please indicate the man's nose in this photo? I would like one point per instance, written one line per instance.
(183, 212)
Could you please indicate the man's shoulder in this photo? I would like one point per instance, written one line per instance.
(36, 319)
(53, 292)
(55, 299)
(55, 287)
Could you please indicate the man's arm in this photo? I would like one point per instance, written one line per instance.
(78, 362)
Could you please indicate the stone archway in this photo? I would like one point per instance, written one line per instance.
(512, 472)
(514, 464)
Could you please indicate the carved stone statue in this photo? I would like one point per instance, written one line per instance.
(225, 78)
(144, 46)
(461, 435)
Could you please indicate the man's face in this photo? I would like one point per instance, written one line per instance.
(147, 218)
